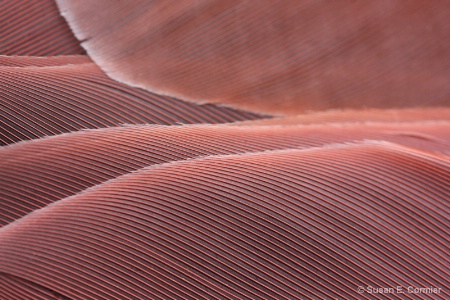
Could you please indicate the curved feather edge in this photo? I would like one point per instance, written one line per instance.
(283, 58)
(287, 223)
(38, 172)
(42, 101)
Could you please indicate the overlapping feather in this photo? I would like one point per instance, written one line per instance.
(108, 191)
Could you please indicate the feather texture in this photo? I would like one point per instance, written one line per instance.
(43, 101)
(269, 56)
(13, 287)
(356, 117)
(120, 180)
(310, 223)
(70, 163)
(30, 27)
(42, 61)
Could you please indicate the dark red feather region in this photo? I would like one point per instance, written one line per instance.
(42, 101)
(35, 28)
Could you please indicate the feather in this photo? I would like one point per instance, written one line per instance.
(43, 101)
(304, 224)
(39, 172)
(224, 149)
(30, 27)
(284, 57)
